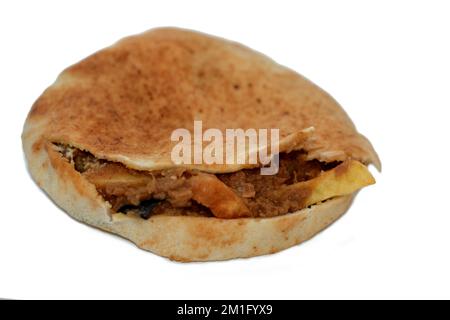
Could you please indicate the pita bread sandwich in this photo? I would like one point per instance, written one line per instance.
(99, 142)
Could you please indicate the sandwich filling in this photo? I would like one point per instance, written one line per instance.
(298, 184)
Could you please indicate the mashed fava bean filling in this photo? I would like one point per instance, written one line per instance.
(245, 193)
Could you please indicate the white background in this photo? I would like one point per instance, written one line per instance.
(386, 62)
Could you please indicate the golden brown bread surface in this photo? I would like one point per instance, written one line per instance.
(123, 102)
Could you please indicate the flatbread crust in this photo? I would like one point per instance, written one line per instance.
(122, 103)
(180, 238)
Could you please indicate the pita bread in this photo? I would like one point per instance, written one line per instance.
(122, 103)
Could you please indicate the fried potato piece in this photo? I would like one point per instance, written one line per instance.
(208, 190)
(115, 174)
(344, 179)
